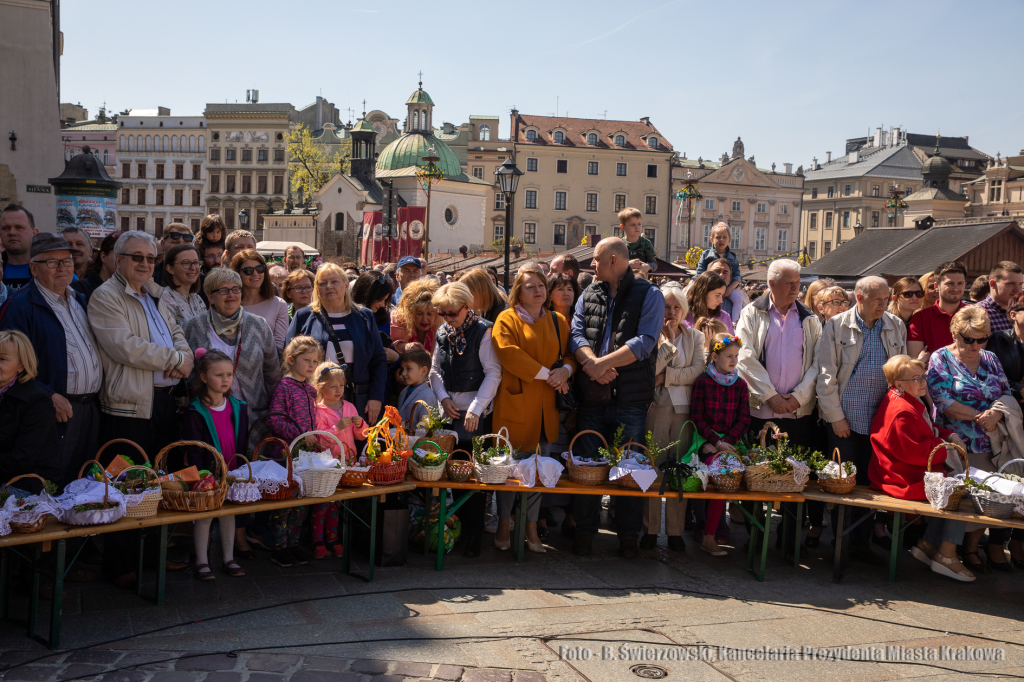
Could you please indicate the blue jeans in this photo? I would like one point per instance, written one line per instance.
(948, 530)
(586, 509)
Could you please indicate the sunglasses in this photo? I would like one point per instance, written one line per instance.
(138, 258)
(912, 294)
(179, 236)
(970, 342)
(248, 271)
(445, 315)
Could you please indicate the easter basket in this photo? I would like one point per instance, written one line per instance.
(627, 481)
(989, 502)
(831, 479)
(459, 470)
(430, 466)
(726, 473)
(243, 490)
(388, 465)
(943, 492)
(582, 473)
(318, 481)
(765, 476)
(146, 501)
(491, 465)
(27, 516)
(83, 507)
(271, 490)
(430, 425)
(195, 500)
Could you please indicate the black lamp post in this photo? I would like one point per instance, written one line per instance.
(243, 218)
(508, 179)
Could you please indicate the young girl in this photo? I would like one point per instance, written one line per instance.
(710, 327)
(293, 412)
(334, 415)
(212, 232)
(721, 412)
(218, 418)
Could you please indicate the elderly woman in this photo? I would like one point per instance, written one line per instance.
(907, 298)
(258, 294)
(680, 360)
(415, 319)
(532, 346)
(830, 302)
(180, 297)
(704, 299)
(814, 289)
(348, 334)
(297, 290)
(488, 298)
(964, 380)
(465, 375)
(902, 437)
(28, 421)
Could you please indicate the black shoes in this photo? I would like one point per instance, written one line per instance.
(676, 544)
(302, 556)
(648, 541)
(471, 550)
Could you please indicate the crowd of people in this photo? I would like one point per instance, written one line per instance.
(199, 336)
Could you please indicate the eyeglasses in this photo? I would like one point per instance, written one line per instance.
(178, 236)
(446, 315)
(140, 257)
(970, 342)
(189, 264)
(248, 271)
(839, 302)
(917, 379)
(54, 263)
(912, 294)
(302, 290)
(226, 291)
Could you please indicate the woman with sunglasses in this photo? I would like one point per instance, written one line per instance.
(964, 380)
(907, 298)
(181, 276)
(258, 295)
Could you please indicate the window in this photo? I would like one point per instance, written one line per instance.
(846, 190)
(197, 170)
(737, 206)
(261, 184)
(846, 218)
(214, 155)
(650, 233)
(126, 196)
(651, 205)
(812, 250)
(652, 142)
(559, 236)
(590, 230)
(762, 207)
(278, 184)
(620, 169)
(229, 154)
(246, 184)
(140, 224)
(158, 226)
(278, 156)
(652, 170)
(229, 220)
(195, 197)
(485, 132)
(142, 170)
(783, 209)
(617, 231)
(559, 201)
(874, 219)
(531, 135)
(592, 139)
(707, 236)
(830, 192)
(591, 167)
(562, 166)
(559, 137)
(499, 231)
(620, 202)
(814, 221)
(214, 184)
(179, 197)
(759, 239)
(828, 219)
(126, 223)
(195, 225)
(159, 197)
(531, 198)
(782, 243)
(734, 232)
(530, 233)
(262, 155)
(620, 140)
(126, 170)
(141, 197)
(910, 190)
(246, 156)
(814, 192)
(709, 204)
(499, 201)
(229, 183)
(179, 171)
(874, 190)
(159, 171)
(592, 201)
(827, 248)
(531, 165)
(478, 172)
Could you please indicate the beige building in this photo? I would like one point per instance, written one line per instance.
(579, 173)
(761, 206)
(485, 152)
(247, 161)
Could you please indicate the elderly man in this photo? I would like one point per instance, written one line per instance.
(409, 270)
(81, 249)
(566, 263)
(854, 346)
(929, 327)
(615, 327)
(294, 258)
(780, 337)
(53, 317)
(1004, 283)
(17, 227)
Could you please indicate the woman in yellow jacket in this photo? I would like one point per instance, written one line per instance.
(529, 340)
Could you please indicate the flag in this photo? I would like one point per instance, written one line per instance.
(379, 249)
(417, 216)
(403, 232)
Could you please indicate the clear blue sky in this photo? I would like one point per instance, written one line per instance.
(794, 79)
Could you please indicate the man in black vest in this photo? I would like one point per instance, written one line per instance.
(615, 328)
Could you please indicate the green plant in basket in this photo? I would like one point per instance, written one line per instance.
(485, 455)
(430, 459)
(433, 421)
(776, 454)
(614, 455)
(655, 450)
(977, 485)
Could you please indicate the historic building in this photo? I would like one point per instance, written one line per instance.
(761, 206)
(100, 135)
(935, 200)
(161, 164)
(1000, 190)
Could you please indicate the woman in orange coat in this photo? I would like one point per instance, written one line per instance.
(529, 340)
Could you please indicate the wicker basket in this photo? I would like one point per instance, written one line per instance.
(94, 517)
(495, 474)
(428, 474)
(760, 478)
(627, 480)
(585, 475)
(837, 486)
(232, 480)
(993, 504)
(388, 474)
(442, 438)
(352, 478)
(290, 488)
(319, 482)
(727, 483)
(958, 493)
(36, 525)
(198, 501)
(150, 503)
(459, 470)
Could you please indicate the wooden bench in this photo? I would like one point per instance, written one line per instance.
(60, 533)
(873, 500)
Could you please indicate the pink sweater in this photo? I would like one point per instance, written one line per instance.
(327, 420)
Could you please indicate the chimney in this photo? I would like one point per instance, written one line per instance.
(855, 156)
(163, 111)
(814, 163)
(828, 157)
(895, 136)
(646, 120)
(878, 137)
(788, 167)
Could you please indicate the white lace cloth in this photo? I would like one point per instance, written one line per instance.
(938, 487)
(135, 499)
(530, 469)
(12, 511)
(643, 474)
(1019, 508)
(1003, 486)
(583, 462)
(269, 476)
(316, 460)
(87, 491)
(800, 471)
(834, 470)
(5, 524)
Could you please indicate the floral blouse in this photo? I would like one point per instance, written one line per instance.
(950, 381)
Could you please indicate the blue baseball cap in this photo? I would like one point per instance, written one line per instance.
(409, 260)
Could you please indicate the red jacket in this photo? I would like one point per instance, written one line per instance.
(902, 438)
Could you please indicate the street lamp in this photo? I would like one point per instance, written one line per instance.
(243, 218)
(508, 179)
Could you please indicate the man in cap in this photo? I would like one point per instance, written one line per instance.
(409, 270)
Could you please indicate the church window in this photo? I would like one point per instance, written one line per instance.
(592, 138)
(485, 132)
(415, 120)
(531, 135)
(451, 215)
(559, 137)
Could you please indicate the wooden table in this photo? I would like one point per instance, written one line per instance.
(865, 497)
(59, 533)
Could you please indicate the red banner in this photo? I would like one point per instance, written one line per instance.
(379, 249)
(417, 217)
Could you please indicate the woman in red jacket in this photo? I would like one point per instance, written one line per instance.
(902, 436)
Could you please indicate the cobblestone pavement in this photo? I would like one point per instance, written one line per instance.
(492, 619)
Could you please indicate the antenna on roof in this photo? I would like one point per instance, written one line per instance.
(606, 114)
(556, 106)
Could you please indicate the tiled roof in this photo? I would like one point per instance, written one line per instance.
(886, 162)
(576, 130)
(248, 109)
(91, 126)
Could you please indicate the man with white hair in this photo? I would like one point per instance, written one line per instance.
(854, 346)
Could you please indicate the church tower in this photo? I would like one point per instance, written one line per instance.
(363, 162)
(420, 118)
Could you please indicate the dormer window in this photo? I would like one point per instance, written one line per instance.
(485, 132)
(531, 135)
(592, 139)
(620, 140)
(652, 142)
(559, 137)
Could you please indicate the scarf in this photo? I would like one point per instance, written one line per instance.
(722, 379)
(458, 336)
(527, 317)
(226, 326)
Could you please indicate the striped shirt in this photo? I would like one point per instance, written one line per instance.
(85, 374)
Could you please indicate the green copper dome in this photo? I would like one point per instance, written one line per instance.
(420, 97)
(363, 127)
(409, 150)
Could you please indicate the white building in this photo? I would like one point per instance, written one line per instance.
(161, 163)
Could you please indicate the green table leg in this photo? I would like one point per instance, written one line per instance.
(896, 545)
(796, 544)
(161, 567)
(755, 528)
(57, 605)
(138, 568)
(5, 583)
(33, 602)
(766, 519)
(373, 536)
(520, 537)
(442, 519)
(428, 499)
(346, 537)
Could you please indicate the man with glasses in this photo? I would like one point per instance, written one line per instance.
(174, 234)
(929, 327)
(53, 316)
(851, 384)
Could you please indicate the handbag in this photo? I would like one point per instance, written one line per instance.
(566, 402)
(349, 392)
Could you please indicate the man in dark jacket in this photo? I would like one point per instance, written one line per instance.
(615, 327)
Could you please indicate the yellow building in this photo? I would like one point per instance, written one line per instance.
(1000, 191)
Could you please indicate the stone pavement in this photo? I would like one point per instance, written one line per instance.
(493, 619)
